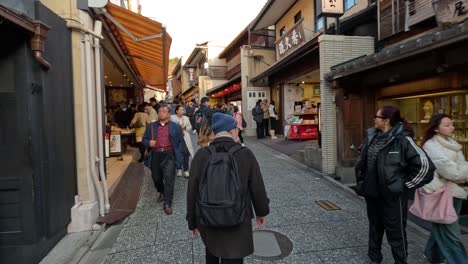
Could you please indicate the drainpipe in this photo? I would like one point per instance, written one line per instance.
(91, 113)
(38, 44)
(98, 89)
(91, 186)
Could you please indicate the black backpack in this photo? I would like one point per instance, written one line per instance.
(220, 201)
(244, 123)
(199, 119)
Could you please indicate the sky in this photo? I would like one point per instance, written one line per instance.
(196, 21)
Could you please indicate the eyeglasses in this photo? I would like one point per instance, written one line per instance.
(377, 116)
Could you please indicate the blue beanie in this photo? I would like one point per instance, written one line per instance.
(222, 122)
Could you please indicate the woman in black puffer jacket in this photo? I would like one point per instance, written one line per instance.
(390, 164)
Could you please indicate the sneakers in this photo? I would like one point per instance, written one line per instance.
(242, 144)
(179, 173)
(194, 132)
(186, 174)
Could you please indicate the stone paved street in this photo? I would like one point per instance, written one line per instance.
(318, 236)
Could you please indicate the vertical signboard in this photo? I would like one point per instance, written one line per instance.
(329, 7)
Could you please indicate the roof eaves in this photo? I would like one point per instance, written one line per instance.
(233, 43)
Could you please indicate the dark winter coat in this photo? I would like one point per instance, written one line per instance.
(236, 242)
(401, 164)
(257, 113)
(207, 112)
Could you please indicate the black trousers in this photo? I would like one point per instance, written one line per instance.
(266, 126)
(240, 136)
(142, 149)
(273, 123)
(163, 170)
(260, 130)
(388, 214)
(211, 259)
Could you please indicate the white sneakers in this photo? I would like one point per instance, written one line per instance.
(180, 174)
(242, 144)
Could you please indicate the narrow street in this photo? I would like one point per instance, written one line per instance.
(317, 235)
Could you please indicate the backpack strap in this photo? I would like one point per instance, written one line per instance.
(211, 149)
(235, 148)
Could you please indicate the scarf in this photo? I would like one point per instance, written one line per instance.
(448, 143)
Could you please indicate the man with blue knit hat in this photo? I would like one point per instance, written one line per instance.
(227, 236)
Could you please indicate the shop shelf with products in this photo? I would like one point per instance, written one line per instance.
(305, 126)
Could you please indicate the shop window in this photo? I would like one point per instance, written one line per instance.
(282, 31)
(349, 3)
(418, 110)
(297, 17)
(319, 24)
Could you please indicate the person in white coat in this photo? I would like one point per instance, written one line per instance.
(445, 243)
(184, 122)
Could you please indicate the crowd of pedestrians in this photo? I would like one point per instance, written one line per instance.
(226, 190)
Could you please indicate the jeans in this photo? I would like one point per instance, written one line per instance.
(163, 170)
(211, 259)
(445, 242)
(388, 214)
(186, 159)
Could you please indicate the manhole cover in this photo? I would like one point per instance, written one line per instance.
(271, 245)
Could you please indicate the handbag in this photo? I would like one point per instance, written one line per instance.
(436, 207)
(149, 155)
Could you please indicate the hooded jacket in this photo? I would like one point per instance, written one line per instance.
(401, 164)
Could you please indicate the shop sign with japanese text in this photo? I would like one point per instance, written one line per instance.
(450, 12)
(290, 41)
(332, 7)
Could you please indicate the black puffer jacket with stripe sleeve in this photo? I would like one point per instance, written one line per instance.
(401, 164)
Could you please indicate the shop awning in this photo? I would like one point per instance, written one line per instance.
(226, 88)
(393, 54)
(143, 41)
(271, 13)
(281, 64)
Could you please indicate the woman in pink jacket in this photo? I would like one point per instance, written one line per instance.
(238, 117)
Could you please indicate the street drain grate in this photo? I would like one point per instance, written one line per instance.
(327, 205)
(271, 245)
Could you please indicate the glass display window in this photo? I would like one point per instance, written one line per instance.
(417, 110)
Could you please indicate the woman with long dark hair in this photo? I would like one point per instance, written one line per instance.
(390, 164)
(445, 243)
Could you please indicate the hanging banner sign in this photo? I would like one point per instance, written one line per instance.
(290, 41)
(450, 12)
